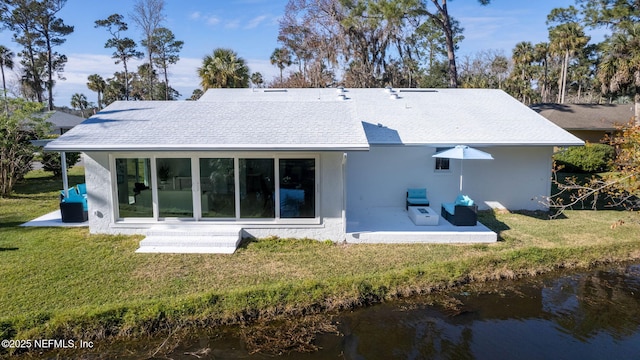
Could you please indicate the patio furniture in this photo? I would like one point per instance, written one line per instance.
(72, 191)
(422, 215)
(462, 212)
(416, 197)
(74, 207)
(73, 212)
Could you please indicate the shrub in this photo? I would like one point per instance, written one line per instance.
(51, 161)
(590, 158)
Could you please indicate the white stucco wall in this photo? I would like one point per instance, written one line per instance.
(518, 178)
(99, 192)
(331, 189)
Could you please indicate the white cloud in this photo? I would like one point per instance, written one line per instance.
(212, 20)
(195, 15)
(232, 24)
(253, 23)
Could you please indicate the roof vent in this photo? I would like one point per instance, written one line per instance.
(388, 90)
(342, 97)
(394, 96)
(341, 90)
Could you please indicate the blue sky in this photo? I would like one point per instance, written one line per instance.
(250, 27)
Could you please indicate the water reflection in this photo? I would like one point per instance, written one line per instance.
(592, 315)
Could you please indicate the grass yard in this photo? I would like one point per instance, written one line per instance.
(65, 283)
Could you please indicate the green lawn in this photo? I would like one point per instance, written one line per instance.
(65, 283)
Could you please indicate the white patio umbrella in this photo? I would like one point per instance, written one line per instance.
(463, 152)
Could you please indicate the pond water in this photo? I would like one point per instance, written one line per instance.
(590, 315)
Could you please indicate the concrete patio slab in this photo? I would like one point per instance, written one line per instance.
(52, 219)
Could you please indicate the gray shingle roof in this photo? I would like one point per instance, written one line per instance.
(316, 119)
(605, 117)
(233, 125)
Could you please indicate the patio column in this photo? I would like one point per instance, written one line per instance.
(65, 180)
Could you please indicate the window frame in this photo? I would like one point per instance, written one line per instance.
(196, 187)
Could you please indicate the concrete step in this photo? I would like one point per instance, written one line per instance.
(191, 240)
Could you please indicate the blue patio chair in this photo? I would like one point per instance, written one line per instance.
(74, 208)
(416, 197)
(462, 212)
(82, 189)
(72, 192)
(73, 212)
(75, 197)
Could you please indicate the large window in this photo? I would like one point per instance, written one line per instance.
(257, 188)
(217, 188)
(297, 188)
(133, 179)
(175, 196)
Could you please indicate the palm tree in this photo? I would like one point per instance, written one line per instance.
(96, 83)
(223, 69)
(523, 56)
(566, 39)
(256, 79)
(6, 61)
(541, 54)
(620, 65)
(281, 57)
(79, 101)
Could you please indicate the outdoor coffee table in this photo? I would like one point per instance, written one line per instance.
(422, 215)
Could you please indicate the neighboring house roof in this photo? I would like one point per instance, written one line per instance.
(62, 120)
(307, 119)
(600, 117)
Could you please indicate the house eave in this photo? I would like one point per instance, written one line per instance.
(182, 147)
(481, 143)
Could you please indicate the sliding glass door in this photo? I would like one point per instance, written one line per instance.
(133, 181)
(257, 188)
(175, 184)
(297, 188)
(217, 188)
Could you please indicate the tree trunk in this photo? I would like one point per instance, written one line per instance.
(579, 91)
(4, 92)
(126, 80)
(564, 76)
(448, 33)
(36, 80)
(166, 83)
(50, 76)
(150, 70)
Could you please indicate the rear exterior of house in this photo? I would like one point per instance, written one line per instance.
(305, 162)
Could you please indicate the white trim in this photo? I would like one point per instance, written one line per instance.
(195, 189)
(154, 187)
(191, 147)
(236, 186)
